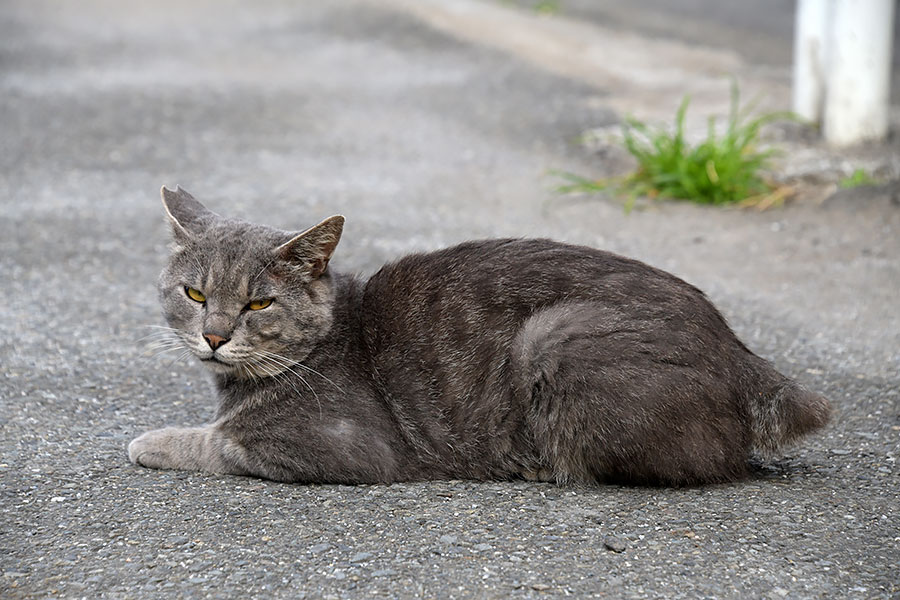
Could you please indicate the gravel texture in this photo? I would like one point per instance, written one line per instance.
(285, 113)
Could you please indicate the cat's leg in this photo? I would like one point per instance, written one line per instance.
(614, 397)
(203, 448)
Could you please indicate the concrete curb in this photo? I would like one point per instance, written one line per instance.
(648, 76)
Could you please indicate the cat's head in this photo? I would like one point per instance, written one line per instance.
(247, 300)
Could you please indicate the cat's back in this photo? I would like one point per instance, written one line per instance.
(491, 284)
(519, 273)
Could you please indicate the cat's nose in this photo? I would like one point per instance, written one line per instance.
(214, 340)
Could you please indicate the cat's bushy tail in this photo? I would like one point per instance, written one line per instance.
(782, 410)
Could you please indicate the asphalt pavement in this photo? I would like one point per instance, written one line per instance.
(422, 135)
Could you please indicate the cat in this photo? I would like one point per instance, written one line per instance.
(494, 359)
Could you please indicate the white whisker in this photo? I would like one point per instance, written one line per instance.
(155, 352)
(164, 340)
(178, 358)
(295, 363)
(277, 368)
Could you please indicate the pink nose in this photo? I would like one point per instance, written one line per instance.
(214, 340)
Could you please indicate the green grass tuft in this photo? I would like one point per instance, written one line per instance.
(547, 7)
(722, 169)
(541, 7)
(859, 177)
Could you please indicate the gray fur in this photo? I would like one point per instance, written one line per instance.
(489, 360)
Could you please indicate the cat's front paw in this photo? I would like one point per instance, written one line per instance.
(151, 450)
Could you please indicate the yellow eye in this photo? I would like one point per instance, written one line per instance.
(259, 304)
(195, 295)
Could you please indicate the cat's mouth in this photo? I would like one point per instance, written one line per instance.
(217, 365)
(252, 369)
(212, 359)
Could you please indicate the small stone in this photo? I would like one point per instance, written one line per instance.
(540, 587)
(319, 548)
(482, 547)
(360, 557)
(615, 544)
(447, 539)
(384, 573)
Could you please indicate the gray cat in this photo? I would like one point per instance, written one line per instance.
(493, 359)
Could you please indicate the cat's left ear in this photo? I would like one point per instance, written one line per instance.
(187, 216)
(313, 248)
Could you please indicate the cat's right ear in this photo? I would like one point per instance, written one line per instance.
(312, 249)
(187, 216)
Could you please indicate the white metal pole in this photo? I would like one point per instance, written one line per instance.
(810, 41)
(859, 68)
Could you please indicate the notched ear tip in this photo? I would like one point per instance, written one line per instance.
(183, 210)
(181, 204)
(178, 192)
(169, 195)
